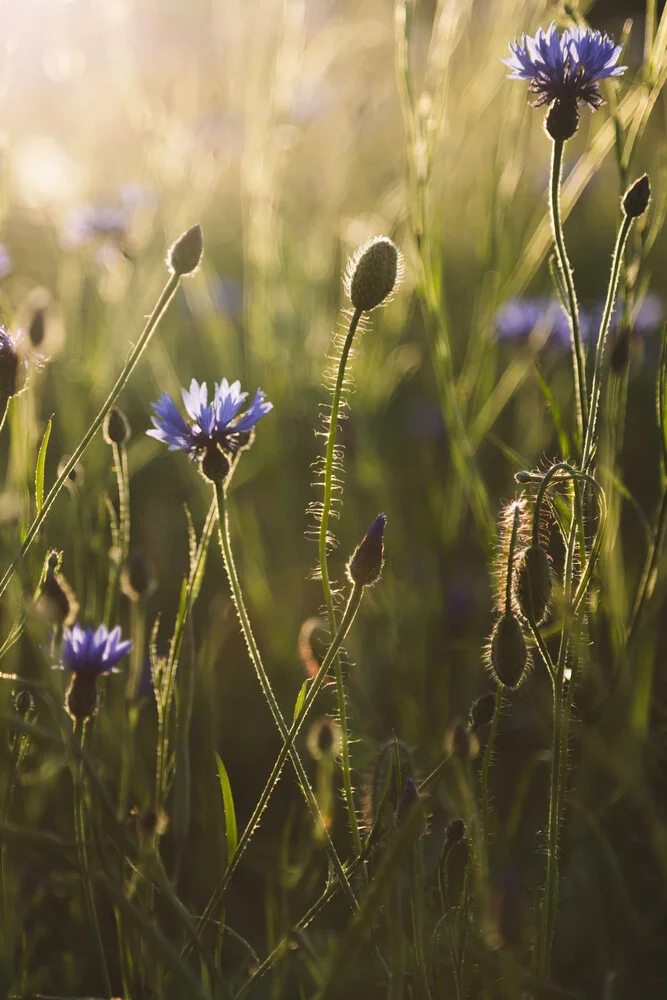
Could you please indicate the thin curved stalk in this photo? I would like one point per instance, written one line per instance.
(327, 499)
(578, 356)
(265, 684)
(131, 363)
(318, 680)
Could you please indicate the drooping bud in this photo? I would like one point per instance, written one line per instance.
(76, 475)
(23, 703)
(55, 600)
(215, 465)
(37, 327)
(533, 584)
(455, 832)
(116, 428)
(508, 652)
(482, 711)
(372, 273)
(184, 255)
(324, 739)
(562, 119)
(636, 198)
(461, 742)
(365, 565)
(137, 579)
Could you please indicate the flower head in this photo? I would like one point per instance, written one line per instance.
(12, 366)
(566, 69)
(215, 424)
(93, 652)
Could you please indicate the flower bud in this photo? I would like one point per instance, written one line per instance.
(562, 120)
(23, 703)
(636, 198)
(482, 711)
(116, 428)
(508, 651)
(455, 832)
(461, 742)
(365, 564)
(184, 255)
(324, 739)
(136, 579)
(408, 803)
(37, 327)
(372, 273)
(533, 584)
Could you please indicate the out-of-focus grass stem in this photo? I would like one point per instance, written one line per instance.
(463, 455)
(265, 684)
(131, 363)
(77, 767)
(326, 583)
(578, 356)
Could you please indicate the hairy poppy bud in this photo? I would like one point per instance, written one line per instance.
(533, 583)
(365, 565)
(508, 653)
(372, 273)
(636, 198)
(482, 711)
(184, 255)
(455, 832)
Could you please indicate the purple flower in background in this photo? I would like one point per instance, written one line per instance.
(12, 365)
(519, 319)
(93, 652)
(565, 69)
(216, 423)
(6, 263)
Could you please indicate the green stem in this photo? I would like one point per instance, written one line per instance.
(486, 763)
(596, 388)
(327, 500)
(80, 829)
(578, 356)
(650, 568)
(265, 684)
(121, 382)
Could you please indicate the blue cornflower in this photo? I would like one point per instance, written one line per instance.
(93, 652)
(12, 366)
(566, 69)
(213, 425)
(88, 655)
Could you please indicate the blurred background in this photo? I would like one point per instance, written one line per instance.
(277, 124)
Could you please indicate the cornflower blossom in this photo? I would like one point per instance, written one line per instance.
(566, 69)
(93, 652)
(12, 365)
(214, 425)
(88, 655)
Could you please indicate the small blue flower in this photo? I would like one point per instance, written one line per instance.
(92, 653)
(518, 319)
(12, 366)
(565, 69)
(216, 423)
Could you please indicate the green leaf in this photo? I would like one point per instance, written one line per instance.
(228, 806)
(39, 471)
(298, 704)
